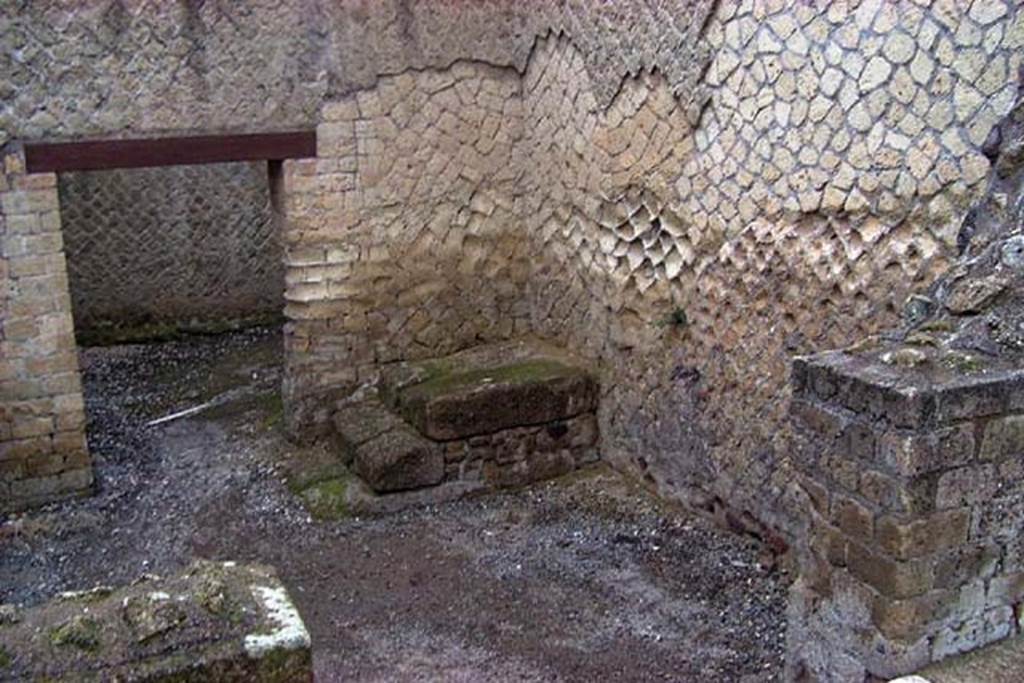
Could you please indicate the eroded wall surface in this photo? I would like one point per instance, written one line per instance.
(826, 179)
(114, 67)
(155, 250)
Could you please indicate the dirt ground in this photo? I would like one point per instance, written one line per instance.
(581, 579)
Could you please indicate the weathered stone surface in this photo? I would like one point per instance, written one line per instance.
(385, 451)
(490, 390)
(972, 296)
(213, 622)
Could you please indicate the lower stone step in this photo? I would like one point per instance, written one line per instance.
(215, 621)
(385, 451)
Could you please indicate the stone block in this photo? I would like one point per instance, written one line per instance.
(539, 466)
(1003, 438)
(212, 622)
(973, 632)
(909, 398)
(853, 518)
(914, 453)
(909, 537)
(966, 486)
(909, 619)
(963, 565)
(488, 390)
(896, 579)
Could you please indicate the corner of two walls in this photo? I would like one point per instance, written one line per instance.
(814, 175)
(399, 239)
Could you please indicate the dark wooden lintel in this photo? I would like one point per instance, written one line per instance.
(95, 155)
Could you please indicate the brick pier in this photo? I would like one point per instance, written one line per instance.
(43, 454)
(915, 492)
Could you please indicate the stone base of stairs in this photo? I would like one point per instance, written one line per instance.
(492, 417)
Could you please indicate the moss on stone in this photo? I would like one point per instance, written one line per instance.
(440, 382)
(81, 632)
(327, 499)
(921, 339)
(273, 407)
(963, 362)
(280, 666)
(937, 325)
(5, 658)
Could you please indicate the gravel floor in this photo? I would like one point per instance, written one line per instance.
(574, 580)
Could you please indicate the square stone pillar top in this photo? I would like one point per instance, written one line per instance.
(911, 386)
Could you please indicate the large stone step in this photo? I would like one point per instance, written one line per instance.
(489, 389)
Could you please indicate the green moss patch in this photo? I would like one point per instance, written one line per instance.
(439, 382)
(327, 499)
(963, 362)
(5, 658)
(81, 632)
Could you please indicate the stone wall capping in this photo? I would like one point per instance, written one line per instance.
(922, 396)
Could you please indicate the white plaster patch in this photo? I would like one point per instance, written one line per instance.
(910, 679)
(291, 633)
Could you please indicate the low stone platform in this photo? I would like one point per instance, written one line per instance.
(491, 417)
(213, 622)
(489, 389)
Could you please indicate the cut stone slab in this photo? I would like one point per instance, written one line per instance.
(213, 622)
(385, 451)
(488, 389)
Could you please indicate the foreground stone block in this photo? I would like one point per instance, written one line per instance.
(915, 503)
(213, 622)
(489, 389)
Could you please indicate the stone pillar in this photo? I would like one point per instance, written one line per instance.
(43, 454)
(915, 488)
(328, 351)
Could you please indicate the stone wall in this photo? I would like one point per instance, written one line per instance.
(43, 452)
(397, 237)
(807, 182)
(825, 180)
(116, 67)
(155, 250)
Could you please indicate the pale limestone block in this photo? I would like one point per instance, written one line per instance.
(875, 73)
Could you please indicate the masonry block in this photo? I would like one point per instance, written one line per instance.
(214, 621)
(43, 452)
(921, 522)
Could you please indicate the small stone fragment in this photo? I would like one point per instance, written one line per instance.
(905, 358)
(972, 295)
(1012, 253)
